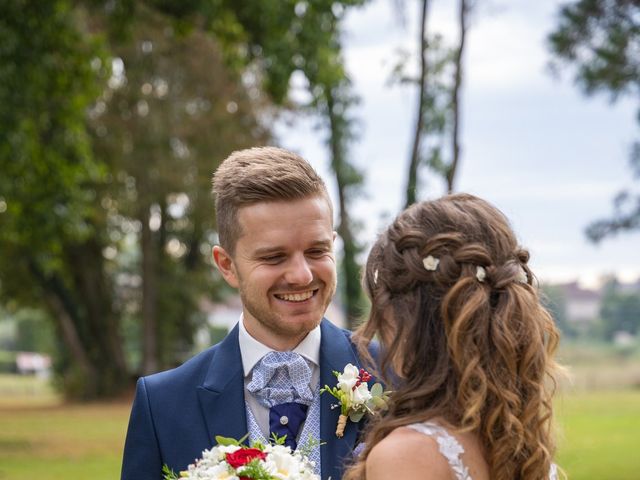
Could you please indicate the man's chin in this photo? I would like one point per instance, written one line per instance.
(299, 324)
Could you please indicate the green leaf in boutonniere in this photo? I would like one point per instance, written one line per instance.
(355, 417)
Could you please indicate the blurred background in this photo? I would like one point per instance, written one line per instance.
(114, 115)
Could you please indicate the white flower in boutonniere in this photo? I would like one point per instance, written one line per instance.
(355, 397)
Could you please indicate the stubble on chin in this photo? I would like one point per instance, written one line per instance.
(273, 323)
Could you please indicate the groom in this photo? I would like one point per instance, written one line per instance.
(276, 239)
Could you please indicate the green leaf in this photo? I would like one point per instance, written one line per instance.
(225, 441)
(333, 391)
(168, 473)
(256, 471)
(257, 444)
(278, 440)
(356, 416)
(307, 448)
(377, 390)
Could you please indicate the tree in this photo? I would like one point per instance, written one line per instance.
(452, 168)
(439, 84)
(620, 311)
(105, 169)
(27, 329)
(600, 39)
(52, 229)
(412, 180)
(163, 124)
(336, 100)
(554, 299)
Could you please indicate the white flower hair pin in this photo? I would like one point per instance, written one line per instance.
(522, 275)
(354, 396)
(430, 263)
(481, 274)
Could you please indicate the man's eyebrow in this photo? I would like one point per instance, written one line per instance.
(322, 243)
(259, 252)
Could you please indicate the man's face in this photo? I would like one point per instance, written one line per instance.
(284, 268)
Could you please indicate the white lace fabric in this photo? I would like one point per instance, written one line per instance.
(452, 451)
(448, 446)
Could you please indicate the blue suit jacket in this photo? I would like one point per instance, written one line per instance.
(176, 414)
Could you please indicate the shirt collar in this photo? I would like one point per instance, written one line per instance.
(252, 350)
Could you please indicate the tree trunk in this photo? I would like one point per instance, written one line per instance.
(351, 269)
(150, 362)
(93, 288)
(455, 96)
(414, 163)
(66, 326)
(65, 313)
(100, 332)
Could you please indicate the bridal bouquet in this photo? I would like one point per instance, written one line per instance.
(230, 460)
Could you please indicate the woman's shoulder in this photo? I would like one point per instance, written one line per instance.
(407, 453)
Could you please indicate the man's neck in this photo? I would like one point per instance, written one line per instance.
(252, 349)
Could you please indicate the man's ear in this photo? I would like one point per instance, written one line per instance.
(225, 264)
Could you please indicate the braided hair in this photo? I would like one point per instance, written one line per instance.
(464, 335)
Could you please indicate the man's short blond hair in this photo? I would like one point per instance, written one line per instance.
(256, 175)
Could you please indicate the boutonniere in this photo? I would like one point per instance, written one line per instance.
(354, 396)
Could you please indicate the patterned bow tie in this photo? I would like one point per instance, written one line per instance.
(281, 377)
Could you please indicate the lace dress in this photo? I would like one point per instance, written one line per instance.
(451, 449)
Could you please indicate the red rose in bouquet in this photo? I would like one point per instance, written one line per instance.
(243, 456)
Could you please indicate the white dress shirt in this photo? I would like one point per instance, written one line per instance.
(252, 352)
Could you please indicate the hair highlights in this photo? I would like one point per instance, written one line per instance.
(474, 352)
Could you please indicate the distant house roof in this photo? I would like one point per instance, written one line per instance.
(573, 291)
(582, 304)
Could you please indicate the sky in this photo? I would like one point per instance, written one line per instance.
(547, 156)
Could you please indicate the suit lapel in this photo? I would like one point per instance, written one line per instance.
(221, 394)
(335, 352)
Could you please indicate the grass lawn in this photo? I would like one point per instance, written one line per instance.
(42, 438)
(62, 442)
(599, 435)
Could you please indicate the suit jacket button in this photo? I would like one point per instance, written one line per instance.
(284, 420)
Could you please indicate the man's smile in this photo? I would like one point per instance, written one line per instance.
(296, 297)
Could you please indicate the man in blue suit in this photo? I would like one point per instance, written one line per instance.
(275, 226)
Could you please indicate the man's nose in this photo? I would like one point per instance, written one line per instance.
(299, 271)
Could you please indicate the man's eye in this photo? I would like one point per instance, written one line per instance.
(316, 253)
(272, 258)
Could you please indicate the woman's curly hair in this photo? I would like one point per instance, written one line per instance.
(473, 351)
